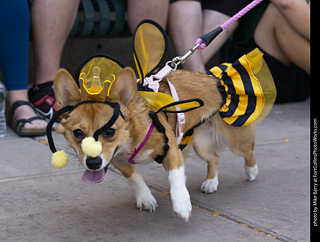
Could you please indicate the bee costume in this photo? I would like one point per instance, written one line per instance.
(246, 86)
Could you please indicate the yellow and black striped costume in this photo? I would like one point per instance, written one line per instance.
(247, 88)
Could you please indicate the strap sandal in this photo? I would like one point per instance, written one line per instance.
(18, 125)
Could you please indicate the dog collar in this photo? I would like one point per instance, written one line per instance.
(90, 145)
(136, 151)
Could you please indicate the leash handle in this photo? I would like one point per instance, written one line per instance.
(206, 39)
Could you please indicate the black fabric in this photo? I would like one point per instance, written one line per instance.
(292, 83)
(108, 125)
(161, 129)
(201, 103)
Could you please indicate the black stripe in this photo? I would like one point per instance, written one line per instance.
(234, 97)
(252, 99)
(161, 129)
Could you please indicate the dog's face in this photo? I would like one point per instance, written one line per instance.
(85, 119)
(83, 122)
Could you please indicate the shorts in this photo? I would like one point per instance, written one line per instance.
(292, 83)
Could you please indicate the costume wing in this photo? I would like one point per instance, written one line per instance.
(149, 47)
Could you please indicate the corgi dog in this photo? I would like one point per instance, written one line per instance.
(129, 130)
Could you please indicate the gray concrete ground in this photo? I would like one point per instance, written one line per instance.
(41, 203)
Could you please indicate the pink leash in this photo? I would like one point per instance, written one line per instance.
(206, 39)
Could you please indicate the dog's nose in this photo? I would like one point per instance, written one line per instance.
(94, 163)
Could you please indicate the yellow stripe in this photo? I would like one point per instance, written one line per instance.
(240, 90)
(257, 90)
(217, 72)
(185, 140)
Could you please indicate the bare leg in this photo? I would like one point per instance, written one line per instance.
(184, 26)
(211, 20)
(147, 9)
(275, 36)
(187, 22)
(51, 24)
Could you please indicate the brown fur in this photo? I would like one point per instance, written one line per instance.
(207, 140)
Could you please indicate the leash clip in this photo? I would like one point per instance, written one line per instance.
(181, 59)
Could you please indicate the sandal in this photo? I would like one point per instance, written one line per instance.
(18, 125)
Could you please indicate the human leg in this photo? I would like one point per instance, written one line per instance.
(184, 26)
(51, 23)
(211, 20)
(147, 9)
(273, 35)
(14, 54)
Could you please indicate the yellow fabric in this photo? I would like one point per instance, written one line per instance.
(59, 159)
(157, 100)
(263, 74)
(91, 147)
(149, 48)
(108, 70)
(249, 89)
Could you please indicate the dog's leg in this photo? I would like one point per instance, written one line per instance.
(251, 166)
(210, 185)
(144, 198)
(243, 144)
(180, 197)
(206, 143)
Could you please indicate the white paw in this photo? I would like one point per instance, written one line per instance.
(251, 172)
(144, 198)
(181, 203)
(210, 185)
(145, 201)
(180, 197)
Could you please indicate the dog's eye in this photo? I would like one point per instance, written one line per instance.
(109, 133)
(78, 133)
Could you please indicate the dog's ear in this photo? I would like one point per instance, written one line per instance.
(66, 90)
(124, 87)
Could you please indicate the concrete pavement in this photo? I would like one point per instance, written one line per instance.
(41, 203)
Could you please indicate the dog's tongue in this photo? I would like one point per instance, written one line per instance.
(94, 176)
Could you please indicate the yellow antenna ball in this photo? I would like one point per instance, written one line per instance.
(59, 159)
(91, 147)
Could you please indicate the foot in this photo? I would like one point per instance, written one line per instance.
(144, 198)
(251, 172)
(180, 197)
(43, 98)
(26, 112)
(210, 185)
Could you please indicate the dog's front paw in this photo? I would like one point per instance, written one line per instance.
(251, 172)
(180, 197)
(181, 203)
(145, 201)
(210, 185)
(144, 198)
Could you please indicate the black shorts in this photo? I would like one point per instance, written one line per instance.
(227, 7)
(292, 83)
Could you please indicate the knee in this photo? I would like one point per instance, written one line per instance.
(284, 4)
